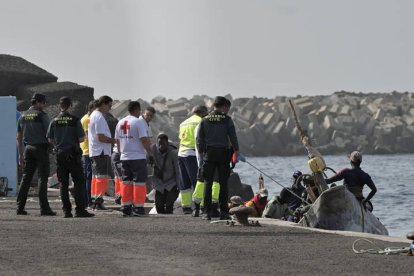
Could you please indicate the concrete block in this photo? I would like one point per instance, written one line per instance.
(279, 128)
(334, 109)
(346, 121)
(408, 119)
(370, 126)
(240, 120)
(177, 103)
(305, 107)
(380, 114)
(321, 113)
(160, 108)
(328, 122)
(159, 99)
(178, 111)
(260, 116)
(302, 100)
(284, 109)
(372, 108)
(120, 110)
(345, 110)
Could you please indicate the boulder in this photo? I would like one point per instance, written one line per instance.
(16, 72)
(81, 96)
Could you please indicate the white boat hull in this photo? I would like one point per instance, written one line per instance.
(338, 209)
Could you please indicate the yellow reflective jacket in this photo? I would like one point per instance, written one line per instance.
(187, 135)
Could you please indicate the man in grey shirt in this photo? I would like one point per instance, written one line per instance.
(166, 175)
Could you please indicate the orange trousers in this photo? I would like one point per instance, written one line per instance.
(133, 193)
(99, 185)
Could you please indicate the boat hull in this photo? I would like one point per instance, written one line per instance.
(338, 209)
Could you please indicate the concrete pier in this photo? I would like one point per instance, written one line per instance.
(110, 244)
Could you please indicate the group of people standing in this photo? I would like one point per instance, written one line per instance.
(88, 151)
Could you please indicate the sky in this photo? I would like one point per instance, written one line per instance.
(132, 49)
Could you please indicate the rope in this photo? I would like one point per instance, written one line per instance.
(379, 250)
(268, 176)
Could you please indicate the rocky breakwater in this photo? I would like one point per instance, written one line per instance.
(20, 78)
(375, 123)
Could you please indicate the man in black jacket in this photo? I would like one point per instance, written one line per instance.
(66, 132)
(214, 133)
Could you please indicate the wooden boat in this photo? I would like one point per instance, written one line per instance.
(338, 209)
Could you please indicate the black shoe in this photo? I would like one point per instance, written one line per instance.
(118, 200)
(84, 214)
(196, 211)
(206, 216)
(126, 211)
(225, 216)
(68, 215)
(215, 213)
(100, 207)
(48, 212)
(138, 211)
(187, 210)
(21, 212)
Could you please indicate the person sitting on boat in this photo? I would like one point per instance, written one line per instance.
(276, 209)
(258, 202)
(355, 178)
(293, 199)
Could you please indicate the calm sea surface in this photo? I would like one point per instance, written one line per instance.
(392, 174)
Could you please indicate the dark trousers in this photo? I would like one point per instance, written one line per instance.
(216, 158)
(68, 163)
(35, 157)
(87, 172)
(164, 202)
(188, 172)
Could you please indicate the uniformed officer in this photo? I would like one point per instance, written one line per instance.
(214, 133)
(31, 130)
(66, 132)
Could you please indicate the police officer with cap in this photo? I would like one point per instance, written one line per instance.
(213, 136)
(31, 130)
(66, 132)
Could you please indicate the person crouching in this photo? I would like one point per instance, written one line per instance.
(166, 175)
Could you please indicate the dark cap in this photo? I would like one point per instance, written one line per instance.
(220, 101)
(66, 101)
(199, 109)
(39, 97)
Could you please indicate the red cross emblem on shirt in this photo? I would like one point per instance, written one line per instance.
(125, 127)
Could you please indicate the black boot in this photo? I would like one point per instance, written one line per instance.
(196, 212)
(214, 210)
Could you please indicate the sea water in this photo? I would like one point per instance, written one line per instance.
(392, 174)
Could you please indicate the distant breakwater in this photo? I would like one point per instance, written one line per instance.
(374, 123)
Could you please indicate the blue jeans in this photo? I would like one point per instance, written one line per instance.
(87, 172)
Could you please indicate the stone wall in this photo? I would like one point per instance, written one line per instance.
(375, 123)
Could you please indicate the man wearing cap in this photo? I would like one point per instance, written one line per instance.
(100, 143)
(31, 130)
(187, 160)
(66, 132)
(258, 202)
(214, 133)
(355, 178)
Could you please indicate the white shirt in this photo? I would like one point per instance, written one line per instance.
(98, 125)
(149, 131)
(129, 130)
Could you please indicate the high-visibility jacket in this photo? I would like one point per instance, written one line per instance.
(187, 135)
